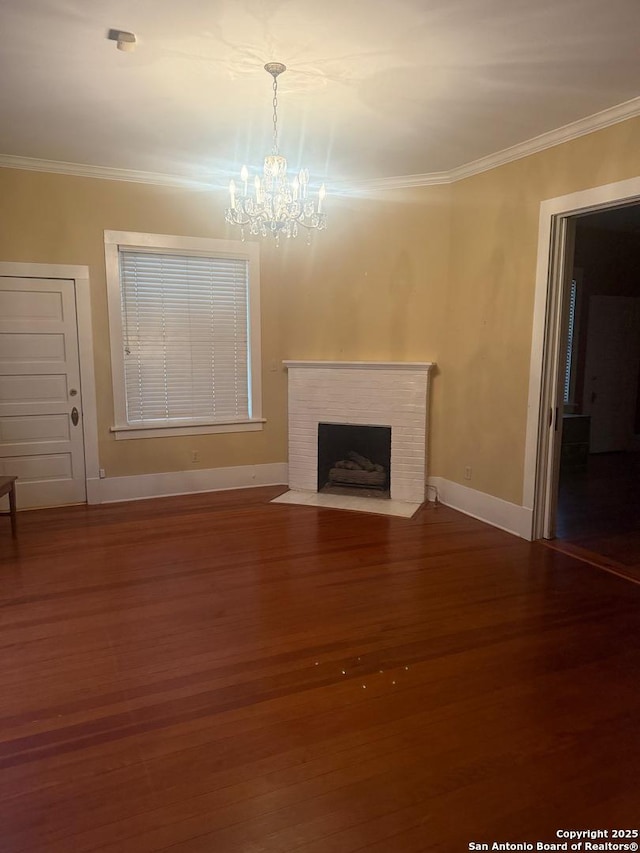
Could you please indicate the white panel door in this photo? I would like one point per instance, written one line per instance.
(41, 437)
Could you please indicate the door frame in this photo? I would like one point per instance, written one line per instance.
(549, 320)
(80, 277)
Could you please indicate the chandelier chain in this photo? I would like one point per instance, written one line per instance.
(275, 115)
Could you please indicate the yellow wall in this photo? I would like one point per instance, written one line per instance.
(439, 273)
(371, 287)
(484, 361)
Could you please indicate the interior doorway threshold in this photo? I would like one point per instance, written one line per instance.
(378, 506)
(598, 560)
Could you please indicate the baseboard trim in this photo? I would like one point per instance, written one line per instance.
(495, 511)
(142, 486)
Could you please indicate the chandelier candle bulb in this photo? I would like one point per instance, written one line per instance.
(244, 177)
(232, 193)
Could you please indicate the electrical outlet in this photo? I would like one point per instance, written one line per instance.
(195, 455)
(467, 472)
(102, 473)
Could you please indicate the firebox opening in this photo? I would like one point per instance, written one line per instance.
(354, 459)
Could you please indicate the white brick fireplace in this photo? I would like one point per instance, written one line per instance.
(392, 394)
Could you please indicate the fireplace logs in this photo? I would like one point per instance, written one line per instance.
(357, 470)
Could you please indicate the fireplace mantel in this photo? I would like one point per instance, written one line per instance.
(373, 393)
(363, 365)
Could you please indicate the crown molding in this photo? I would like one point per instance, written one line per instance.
(598, 121)
(574, 130)
(402, 182)
(83, 170)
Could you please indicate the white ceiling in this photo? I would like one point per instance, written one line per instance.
(374, 88)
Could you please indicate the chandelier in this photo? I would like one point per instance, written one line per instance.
(271, 204)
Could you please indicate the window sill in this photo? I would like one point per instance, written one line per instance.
(128, 431)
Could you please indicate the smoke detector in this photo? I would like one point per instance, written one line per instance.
(123, 39)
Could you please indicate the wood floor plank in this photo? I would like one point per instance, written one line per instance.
(215, 672)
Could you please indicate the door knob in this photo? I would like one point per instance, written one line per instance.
(75, 417)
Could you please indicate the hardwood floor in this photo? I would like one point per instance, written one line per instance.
(217, 673)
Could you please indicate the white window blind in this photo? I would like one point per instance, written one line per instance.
(184, 322)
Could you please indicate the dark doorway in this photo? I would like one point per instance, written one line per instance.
(598, 495)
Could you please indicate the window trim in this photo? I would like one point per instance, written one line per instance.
(113, 241)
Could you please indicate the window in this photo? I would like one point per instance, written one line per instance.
(184, 325)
